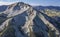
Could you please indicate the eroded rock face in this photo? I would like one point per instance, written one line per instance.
(21, 20)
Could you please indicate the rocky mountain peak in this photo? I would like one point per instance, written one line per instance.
(22, 20)
(18, 6)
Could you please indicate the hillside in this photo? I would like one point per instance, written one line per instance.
(22, 20)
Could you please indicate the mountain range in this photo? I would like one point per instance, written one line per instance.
(23, 20)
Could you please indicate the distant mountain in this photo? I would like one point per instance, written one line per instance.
(22, 20)
(47, 7)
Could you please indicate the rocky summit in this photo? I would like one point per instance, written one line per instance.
(22, 20)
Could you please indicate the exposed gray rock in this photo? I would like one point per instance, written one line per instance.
(21, 20)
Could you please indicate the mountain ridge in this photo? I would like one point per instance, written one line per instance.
(22, 20)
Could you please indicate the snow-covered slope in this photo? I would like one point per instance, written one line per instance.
(22, 20)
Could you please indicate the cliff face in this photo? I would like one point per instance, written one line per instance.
(22, 20)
